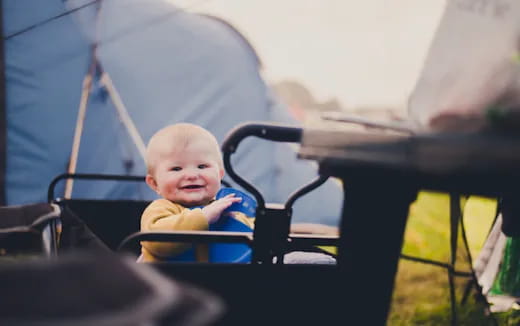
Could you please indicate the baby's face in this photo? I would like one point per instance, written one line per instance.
(190, 177)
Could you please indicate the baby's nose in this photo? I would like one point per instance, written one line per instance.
(191, 173)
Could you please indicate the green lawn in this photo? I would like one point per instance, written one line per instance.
(421, 295)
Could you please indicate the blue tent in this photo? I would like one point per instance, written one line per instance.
(158, 63)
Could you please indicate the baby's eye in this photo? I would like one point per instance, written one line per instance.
(176, 168)
(202, 166)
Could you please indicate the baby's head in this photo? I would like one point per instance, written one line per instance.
(184, 164)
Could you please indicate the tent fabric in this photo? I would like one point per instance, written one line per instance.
(168, 66)
(492, 267)
(487, 263)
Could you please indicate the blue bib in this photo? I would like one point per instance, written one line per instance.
(227, 252)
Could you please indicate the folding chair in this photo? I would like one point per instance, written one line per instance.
(31, 229)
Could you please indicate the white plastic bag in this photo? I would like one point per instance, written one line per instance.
(470, 80)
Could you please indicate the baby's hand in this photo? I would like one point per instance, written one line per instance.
(215, 209)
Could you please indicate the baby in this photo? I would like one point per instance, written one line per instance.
(184, 166)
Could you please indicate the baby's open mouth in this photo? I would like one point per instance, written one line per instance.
(192, 187)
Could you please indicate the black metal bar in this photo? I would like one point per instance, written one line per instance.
(264, 130)
(88, 176)
(305, 189)
(272, 225)
(455, 214)
(188, 236)
(241, 181)
(313, 240)
(436, 263)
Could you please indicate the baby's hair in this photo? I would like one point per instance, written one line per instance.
(179, 135)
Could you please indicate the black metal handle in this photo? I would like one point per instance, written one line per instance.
(88, 176)
(264, 130)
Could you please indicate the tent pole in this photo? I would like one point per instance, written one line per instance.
(85, 92)
(124, 117)
(87, 85)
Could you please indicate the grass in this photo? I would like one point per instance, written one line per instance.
(421, 295)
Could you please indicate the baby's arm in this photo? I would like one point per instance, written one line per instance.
(214, 210)
(163, 215)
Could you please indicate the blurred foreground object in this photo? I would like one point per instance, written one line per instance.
(99, 290)
(470, 79)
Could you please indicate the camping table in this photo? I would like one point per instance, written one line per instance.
(381, 175)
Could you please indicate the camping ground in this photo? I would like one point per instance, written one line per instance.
(421, 294)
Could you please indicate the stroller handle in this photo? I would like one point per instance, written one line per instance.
(264, 130)
(269, 131)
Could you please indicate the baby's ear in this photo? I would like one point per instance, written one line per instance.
(222, 172)
(150, 181)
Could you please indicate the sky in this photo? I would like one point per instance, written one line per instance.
(365, 53)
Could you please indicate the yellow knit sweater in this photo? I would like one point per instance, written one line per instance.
(164, 215)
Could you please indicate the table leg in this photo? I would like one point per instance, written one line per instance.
(372, 229)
